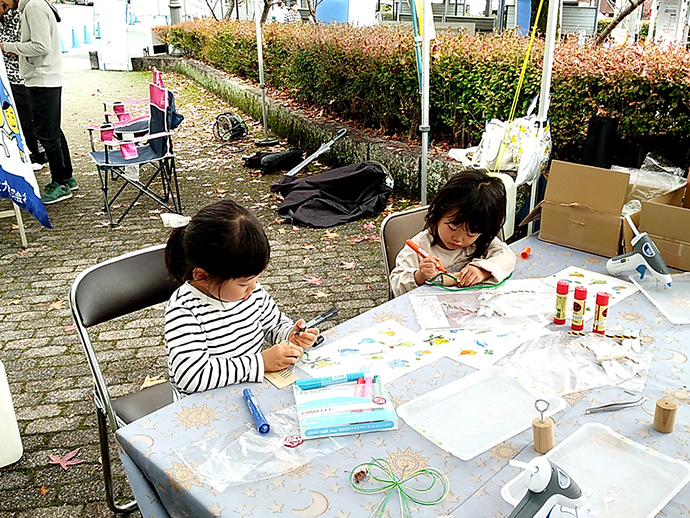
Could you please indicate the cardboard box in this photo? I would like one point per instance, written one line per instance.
(667, 222)
(582, 209)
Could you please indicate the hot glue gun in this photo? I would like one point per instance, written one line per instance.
(644, 257)
(547, 486)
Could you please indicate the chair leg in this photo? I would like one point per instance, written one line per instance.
(107, 473)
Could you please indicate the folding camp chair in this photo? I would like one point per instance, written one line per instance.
(395, 230)
(102, 293)
(131, 117)
(152, 152)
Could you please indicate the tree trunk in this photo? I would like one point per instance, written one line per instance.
(267, 8)
(312, 11)
(634, 4)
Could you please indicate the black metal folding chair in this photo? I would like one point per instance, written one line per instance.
(106, 291)
(151, 156)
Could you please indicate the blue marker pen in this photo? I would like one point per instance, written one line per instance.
(259, 419)
(313, 383)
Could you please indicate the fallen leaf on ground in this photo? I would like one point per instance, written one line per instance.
(320, 294)
(332, 234)
(150, 382)
(66, 460)
(368, 226)
(44, 490)
(347, 266)
(313, 281)
(58, 304)
(309, 247)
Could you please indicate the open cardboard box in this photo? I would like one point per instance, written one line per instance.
(582, 209)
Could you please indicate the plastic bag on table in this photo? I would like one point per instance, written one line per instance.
(566, 364)
(245, 455)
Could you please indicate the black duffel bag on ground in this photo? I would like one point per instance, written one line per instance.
(335, 197)
(273, 162)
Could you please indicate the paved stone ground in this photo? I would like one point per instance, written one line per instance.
(46, 367)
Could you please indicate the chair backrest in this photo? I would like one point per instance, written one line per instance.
(112, 289)
(395, 230)
(163, 117)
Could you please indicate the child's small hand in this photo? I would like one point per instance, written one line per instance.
(303, 337)
(471, 275)
(427, 270)
(280, 356)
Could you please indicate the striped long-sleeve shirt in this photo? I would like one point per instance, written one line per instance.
(212, 344)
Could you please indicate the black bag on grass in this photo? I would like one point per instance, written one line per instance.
(335, 197)
(272, 162)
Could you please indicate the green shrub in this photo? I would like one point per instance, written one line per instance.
(369, 75)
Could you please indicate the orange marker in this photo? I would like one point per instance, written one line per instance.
(423, 253)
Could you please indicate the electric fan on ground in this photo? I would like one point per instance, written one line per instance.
(229, 127)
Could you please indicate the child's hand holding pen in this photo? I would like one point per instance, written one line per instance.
(302, 336)
(281, 356)
(427, 270)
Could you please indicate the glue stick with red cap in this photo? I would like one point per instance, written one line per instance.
(578, 320)
(561, 302)
(525, 252)
(601, 309)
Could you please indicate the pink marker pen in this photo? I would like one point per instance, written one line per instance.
(368, 388)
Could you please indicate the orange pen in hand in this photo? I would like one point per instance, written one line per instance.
(423, 253)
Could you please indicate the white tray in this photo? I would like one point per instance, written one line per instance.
(619, 477)
(475, 413)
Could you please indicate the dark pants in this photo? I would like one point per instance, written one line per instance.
(46, 110)
(21, 101)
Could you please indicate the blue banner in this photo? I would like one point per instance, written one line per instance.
(17, 180)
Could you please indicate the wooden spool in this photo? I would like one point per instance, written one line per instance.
(543, 431)
(665, 415)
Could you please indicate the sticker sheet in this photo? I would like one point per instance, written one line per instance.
(387, 349)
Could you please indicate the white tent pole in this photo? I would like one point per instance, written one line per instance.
(545, 92)
(426, 69)
(260, 54)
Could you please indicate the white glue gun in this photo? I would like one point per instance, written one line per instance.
(547, 486)
(644, 257)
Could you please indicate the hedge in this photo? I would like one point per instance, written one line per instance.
(368, 75)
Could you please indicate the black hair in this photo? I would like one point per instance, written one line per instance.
(224, 239)
(479, 201)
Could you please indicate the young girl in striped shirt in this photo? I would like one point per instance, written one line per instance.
(217, 321)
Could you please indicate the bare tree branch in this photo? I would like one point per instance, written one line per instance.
(211, 8)
(634, 4)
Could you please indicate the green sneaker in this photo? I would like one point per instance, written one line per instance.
(72, 184)
(54, 192)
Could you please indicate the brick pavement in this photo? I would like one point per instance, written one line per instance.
(46, 367)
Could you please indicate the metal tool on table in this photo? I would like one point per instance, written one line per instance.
(547, 486)
(317, 321)
(324, 148)
(616, 405)
(644, 257)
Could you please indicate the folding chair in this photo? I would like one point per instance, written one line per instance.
(106, 291)
(153, 152)
(395, 230)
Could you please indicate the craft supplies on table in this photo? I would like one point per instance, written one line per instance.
(473, 414)
(345, 408)
(594, 282)
(672, 302)
(619, 477)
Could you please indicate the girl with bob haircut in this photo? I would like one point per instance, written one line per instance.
(460, 230)
(217, 321)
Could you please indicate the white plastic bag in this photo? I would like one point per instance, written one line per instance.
(494, 151)
(531, 147)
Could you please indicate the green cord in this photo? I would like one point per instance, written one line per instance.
(434, 282)
(390, 482)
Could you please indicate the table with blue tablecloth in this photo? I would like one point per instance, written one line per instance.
(165, 486)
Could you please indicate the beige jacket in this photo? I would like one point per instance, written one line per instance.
(499, 260)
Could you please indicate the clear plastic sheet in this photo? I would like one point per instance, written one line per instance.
(448, 416)
(673, 302)
(656, 176)
(565, 364)
(253, 456)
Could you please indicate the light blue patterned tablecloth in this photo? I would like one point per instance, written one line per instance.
(164, 487)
